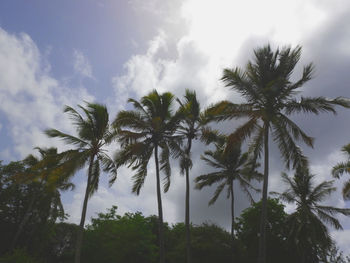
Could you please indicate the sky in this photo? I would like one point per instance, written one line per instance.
(57, 53)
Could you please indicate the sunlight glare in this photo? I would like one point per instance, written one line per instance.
(222, 26)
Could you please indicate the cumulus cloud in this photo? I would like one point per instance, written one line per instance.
(30, 98)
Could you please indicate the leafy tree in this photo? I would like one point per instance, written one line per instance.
(231, 165)
(61, 245)
(308, 230)
(247, 231)
(266, 85)
(142, 132)
(94, 134)
(341, 168)
(40, 172)
(210, 243)
(115, 238)
(34, 201)
(190, 128)
(19, 256)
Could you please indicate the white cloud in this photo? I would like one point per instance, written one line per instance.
(30, 98)
(81, 64)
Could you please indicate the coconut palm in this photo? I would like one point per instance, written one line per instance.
(146, 131)
(40, 171)
(341, 168)
(270, 99)
(94, 133)
(190, 128)
(231, 165)
(308, 230)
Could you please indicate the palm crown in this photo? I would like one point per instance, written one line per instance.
(230, 165)
(308, 229)
(140, 131)
(270, 99)
(94, 133)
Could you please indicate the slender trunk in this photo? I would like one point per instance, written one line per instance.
(187, 205)
(23, 222)
(232, 221)
(262, 241)
(160, 209)
(80, 233)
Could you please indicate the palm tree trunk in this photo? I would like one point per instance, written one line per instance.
(262, 241)
(80, 233)
(232, 221)
(23, 222)
(187, 205)
(160, 209)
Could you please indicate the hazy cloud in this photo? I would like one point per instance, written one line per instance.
(81, 64)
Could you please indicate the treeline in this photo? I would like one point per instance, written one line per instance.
(133, 237)
(153, 130)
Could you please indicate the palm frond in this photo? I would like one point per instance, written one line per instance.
(325, 217)
(321, 191)
(108, 165)
(295, 130)
(226, 110)
(291, 153)
(314, 105)
(208, 179)
(241, 133)
(66, 137)
(217, 193)
(341, 168)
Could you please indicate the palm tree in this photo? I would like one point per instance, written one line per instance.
(270, 99)
(94, 134)
(190, 128)
(341, 168)
(308, 230)
(230, 166)
(40, 171)
(142, 132)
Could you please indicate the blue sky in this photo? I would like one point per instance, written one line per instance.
(56, 53)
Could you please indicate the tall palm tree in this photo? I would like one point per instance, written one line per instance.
(270, 98)
(94, 133)
(231, 165)
(40, 171)
(341, 168)
(308, 230)
(143, 132)
(190, 128)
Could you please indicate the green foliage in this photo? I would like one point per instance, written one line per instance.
(114, 238)
(248, 228)
(19, 256)
(15, 200)
(209, 243)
